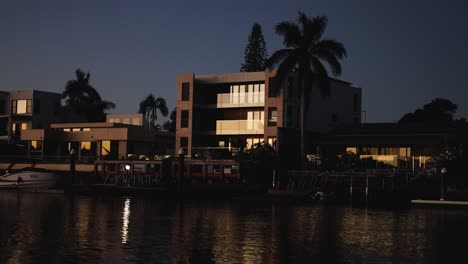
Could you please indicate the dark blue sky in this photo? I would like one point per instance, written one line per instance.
(402, 53)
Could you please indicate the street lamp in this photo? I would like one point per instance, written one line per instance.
(127, 168)
(443, 172)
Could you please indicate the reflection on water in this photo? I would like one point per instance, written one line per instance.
(41, 228)
(125, 218)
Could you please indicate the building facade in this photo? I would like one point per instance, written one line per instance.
(27, 109)
(238, 110)
(93, 141)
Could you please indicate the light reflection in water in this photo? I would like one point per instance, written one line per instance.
(126, 220)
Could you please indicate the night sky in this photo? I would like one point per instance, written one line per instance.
(402, 53)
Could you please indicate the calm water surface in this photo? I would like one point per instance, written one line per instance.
(49, 228)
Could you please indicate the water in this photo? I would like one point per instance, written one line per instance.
(50, 228)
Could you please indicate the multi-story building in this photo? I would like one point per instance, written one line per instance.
(27, 109)
(240, 109)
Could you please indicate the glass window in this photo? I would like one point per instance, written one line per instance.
(272, 116)
(86, 145)
(87, 129)
(105, 147)
(126, 120)
(76, 129)
(136, 121)
(111, 120)
(24, 126)
(184, 120)
(36, 145)
(29, 107)
(272, 142)
(66, 130)
(14, 107)
(185, 91)
(21, 107)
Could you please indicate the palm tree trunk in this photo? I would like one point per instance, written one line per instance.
(302, 126)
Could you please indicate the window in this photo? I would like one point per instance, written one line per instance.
(272, 116)
(185, 91)
(37, 106)
(86, 145)
(21, 106)
(126, 120)
(75, 129)
(272, 142)
(136, 121)
(184, 119)
(184, 143)
(24, 126)
(66, 130)
(86, 129)
(105, 147)
(36, 145)
(272, 87)
(111, 120)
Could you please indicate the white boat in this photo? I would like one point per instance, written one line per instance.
(28, 178)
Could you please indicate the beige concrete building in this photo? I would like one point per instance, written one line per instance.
(97, 141)
(235, 110)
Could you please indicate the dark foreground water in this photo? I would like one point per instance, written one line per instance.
(49, 228)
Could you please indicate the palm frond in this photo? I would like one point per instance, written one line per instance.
(331, 46)
(291, 33)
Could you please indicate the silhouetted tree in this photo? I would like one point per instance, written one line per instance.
(84, 100)
(149, 107)
(437, 111)
(305, 50)
(255, 53)
(171, 124)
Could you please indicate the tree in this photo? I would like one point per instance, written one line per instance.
(255, 53)
(149, 107)
(83, 99)
(305, 51)
(437, 111)
(171, 124)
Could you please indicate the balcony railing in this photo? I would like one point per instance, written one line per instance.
(253, 99)
(239, 127)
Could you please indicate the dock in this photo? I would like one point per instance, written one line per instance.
(440, 203)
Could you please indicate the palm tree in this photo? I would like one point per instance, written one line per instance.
(83, 99)
(149, 108)
(305, 51)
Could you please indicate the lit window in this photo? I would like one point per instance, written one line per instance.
(126, 120)
(85, 145)
(105, 147)
(75, 129)
(272, 141)
(87, 129)
(136, 121)
(111, 120)
(66, 130)
(21, 107)
(24, 126)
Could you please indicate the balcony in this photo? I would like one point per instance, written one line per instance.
(231, 100)
(239, 127)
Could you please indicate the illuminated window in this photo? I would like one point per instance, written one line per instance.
(21, 106)
(126, 120)
(87, 129)
(66, 130)
(111, 120)
(351, 150)
(24, 126)
(76, 129)
(272, 142)
(105, 147)
(136, 121)
(36, 145)
(86, 145)
(221, 144)
(117, 120)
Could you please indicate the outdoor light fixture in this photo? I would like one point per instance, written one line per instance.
(127, 167)
(181, 151)
(443, 171)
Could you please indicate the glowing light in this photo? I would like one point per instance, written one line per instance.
(126, 220)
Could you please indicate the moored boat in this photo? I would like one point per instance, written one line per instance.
(28, 178)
